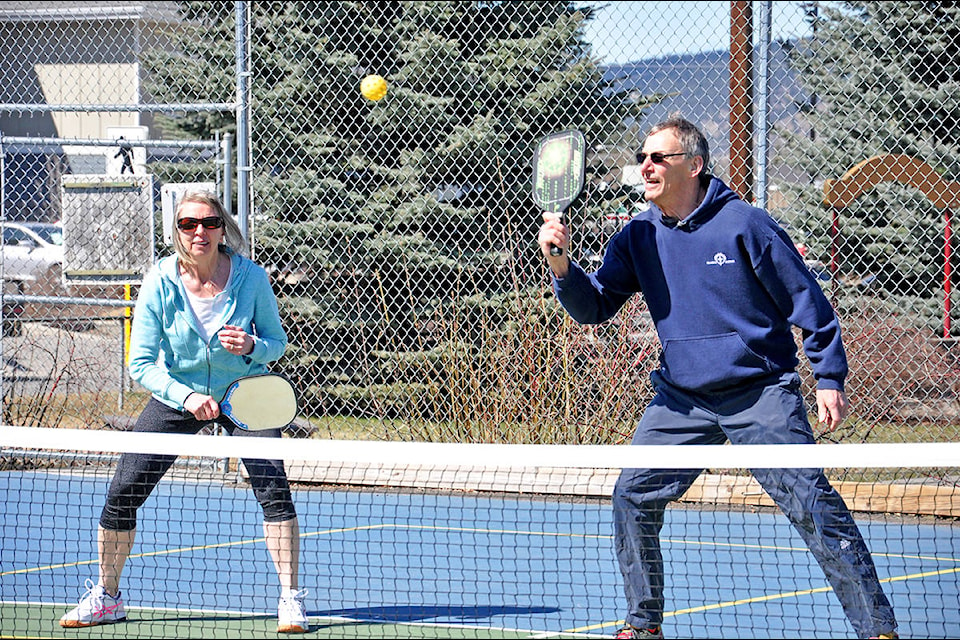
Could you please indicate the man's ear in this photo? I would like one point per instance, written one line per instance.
(698, 166)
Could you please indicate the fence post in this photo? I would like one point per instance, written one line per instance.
(763, 103)
(242, 16)
(3, 292)
(227, 153)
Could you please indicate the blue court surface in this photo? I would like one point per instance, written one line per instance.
(380, 563)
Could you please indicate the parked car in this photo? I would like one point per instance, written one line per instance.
(33, 255)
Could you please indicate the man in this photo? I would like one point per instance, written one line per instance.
(724, 285)
(125, 152)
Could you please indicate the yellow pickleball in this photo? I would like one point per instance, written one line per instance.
(373, 87)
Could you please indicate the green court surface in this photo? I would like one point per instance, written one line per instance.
(147, 623)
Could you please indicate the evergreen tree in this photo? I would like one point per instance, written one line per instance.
(882, 78)
(400, 231)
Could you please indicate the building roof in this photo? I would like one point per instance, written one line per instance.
(41, 11)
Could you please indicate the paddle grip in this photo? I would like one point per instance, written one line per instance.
(554, 249)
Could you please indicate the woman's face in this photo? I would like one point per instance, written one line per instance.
(200, 229)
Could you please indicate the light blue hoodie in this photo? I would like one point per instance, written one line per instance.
(167, 353)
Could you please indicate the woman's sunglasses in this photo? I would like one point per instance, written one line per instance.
(656, 157)
(190, 224)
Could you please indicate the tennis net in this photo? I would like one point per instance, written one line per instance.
(401, 539)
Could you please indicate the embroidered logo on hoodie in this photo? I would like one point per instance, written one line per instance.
(720, 259)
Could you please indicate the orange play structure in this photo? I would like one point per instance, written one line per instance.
(904, 169)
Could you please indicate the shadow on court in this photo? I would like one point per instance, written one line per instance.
(361, 622)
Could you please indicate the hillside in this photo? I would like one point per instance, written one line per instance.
(697, 86)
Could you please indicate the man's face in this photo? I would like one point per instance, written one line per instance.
(671, 180)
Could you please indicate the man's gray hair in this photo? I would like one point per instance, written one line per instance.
(691, 139)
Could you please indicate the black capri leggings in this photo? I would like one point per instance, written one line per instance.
(137, 474)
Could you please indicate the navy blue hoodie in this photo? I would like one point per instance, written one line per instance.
(724, 286)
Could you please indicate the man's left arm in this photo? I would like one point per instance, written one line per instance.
(803, 303)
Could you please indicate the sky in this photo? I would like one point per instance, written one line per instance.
(630, 31)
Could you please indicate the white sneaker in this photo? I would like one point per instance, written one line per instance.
(96, 607)
(291, 614)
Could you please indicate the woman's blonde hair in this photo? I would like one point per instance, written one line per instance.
(232, 237)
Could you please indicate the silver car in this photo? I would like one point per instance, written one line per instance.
(33, 255)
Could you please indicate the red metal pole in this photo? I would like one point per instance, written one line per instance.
(741, 98)
(947, 271)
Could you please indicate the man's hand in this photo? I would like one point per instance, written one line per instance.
(832, 408)
(553, 233)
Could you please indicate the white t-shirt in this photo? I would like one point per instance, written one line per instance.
(209, 311)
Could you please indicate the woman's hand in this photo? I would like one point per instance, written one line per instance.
(235, 340)
(201, 406)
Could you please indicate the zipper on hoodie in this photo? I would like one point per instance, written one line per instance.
(209, 372)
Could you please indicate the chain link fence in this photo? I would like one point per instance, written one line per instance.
(401, 233)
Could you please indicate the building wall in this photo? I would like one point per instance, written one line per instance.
(89, 84)
(74, 53)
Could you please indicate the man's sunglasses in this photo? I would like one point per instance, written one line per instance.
(657, 157)
(190, 224)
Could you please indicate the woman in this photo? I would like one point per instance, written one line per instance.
(204, 317)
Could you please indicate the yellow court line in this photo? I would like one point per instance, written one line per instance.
(732, 545)
(766, 598)
(595, 536)
(148, 554)
(221, 545)
(907, 556)
(518, 532)
(764, 547)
